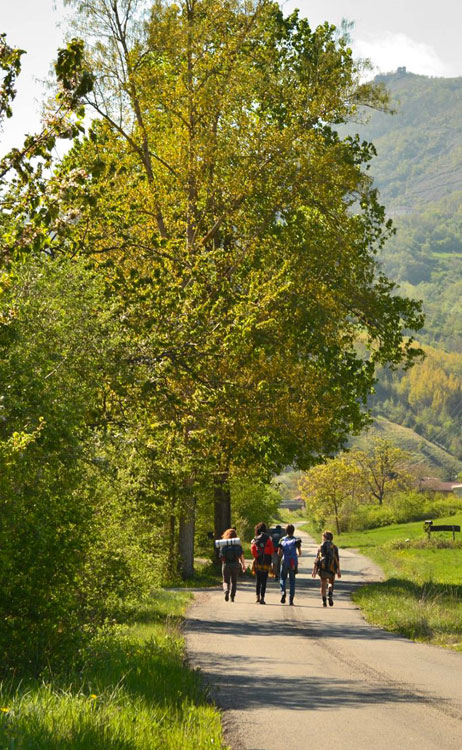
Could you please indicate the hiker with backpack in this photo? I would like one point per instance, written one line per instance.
(289, 551)
(327, 566)
(232, 558)
(262, 551)
(276, 534)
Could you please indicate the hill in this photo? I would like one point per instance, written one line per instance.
(424, 453)
(418, 171)
(419, 148)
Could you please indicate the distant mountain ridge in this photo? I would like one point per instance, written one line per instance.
(419, 148)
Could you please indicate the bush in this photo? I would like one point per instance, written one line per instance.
(72, 542)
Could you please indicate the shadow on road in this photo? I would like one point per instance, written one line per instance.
(261, 628)
(247, 692)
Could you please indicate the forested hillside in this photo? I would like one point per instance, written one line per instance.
(418, 172)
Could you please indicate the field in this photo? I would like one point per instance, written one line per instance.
(134, 691)
(422, 595)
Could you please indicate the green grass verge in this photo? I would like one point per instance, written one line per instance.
(422, 596)
(206, 574)
(135, 692)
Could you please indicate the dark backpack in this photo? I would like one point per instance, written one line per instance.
(276, 536)
(260, 543)
(326, 560)
(231, 553)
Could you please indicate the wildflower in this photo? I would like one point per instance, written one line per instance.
(5, 710)
(93, 696)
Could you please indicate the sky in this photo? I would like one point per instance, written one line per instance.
(422, 35)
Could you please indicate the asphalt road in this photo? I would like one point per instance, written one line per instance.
(304, 677)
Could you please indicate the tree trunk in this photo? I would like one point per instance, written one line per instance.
(171, 537)
(187, 523)
(337, 522)
(222, 505)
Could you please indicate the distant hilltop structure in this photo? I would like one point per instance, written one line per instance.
(398, 73)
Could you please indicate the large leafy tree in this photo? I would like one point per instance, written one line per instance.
(328, 488)
(238, 230)
(384, 468)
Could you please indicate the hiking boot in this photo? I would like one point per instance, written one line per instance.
(226, 596)
(324, 601)
(258, 599)
(232, 598)
(331, 600)
(291, 600)
(283, 599)
(262, 601)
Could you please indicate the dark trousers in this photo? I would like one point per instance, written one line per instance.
(262, 577)
(230, 572)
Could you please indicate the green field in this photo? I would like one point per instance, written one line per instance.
(421, 597)
(134, 691)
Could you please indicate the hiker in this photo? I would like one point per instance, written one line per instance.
(276, 534)
(327, 566)
(289, 550)
(232, 558)
(262, 551)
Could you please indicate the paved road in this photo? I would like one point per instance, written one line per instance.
(304, 677)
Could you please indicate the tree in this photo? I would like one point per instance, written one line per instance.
(327, 488)
(238, 230)
(29, 221)
(383, 468)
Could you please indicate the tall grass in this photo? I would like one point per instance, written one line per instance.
(428, 612)
(134, 691)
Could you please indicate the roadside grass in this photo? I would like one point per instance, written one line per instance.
(134, 692)
(422, 595)
(206, 574)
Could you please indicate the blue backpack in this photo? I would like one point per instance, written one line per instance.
(289, 546)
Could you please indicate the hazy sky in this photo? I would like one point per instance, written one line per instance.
(423, 35)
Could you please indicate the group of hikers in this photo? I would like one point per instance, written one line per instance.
(276, 553)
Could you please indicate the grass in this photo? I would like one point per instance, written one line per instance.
(422, 596)
(206, 574)
(135, 692)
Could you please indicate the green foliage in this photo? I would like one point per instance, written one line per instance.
(69, 549)
(426, 398)
(10, 64)
(208, 268)
(369, 488)
(329, 490)
(252, 502)
(402, 507)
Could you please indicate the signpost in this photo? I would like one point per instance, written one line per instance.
(429, 527)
